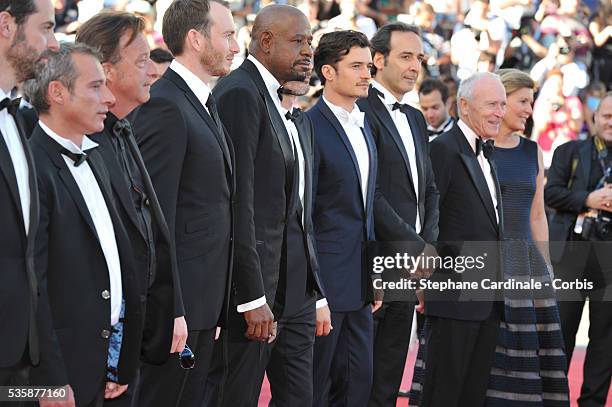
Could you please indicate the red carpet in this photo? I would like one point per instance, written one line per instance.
(575, 381)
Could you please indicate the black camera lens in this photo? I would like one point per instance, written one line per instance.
(564, 50)
(187, 358)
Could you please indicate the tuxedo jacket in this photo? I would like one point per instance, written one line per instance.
(265, 170)
(192, 173)
(467, 215)
(342, 223)
(565, 192)
(396, 192)
(162, 297)
(19, 290)
(71, 264)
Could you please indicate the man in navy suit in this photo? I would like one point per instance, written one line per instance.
(344, 186)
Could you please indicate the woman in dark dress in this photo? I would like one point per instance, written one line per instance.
(529, 364)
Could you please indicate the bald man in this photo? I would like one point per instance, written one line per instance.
(275, 285)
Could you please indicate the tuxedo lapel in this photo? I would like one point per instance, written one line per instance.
(329, 115)
(418, 148)
(7, 169)
(367, 134)
(195, 102)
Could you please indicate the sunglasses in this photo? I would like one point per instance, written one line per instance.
(187, 358)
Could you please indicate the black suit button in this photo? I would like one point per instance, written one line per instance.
(105, 294)
(105, 334)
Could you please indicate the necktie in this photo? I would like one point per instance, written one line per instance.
(78, 158)
(212, 108)
(12, 106)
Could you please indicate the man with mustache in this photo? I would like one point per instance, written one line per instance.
(406, 180)
(190, 160)
(26, 31)
(343, 216)
(275, 285)
(129, 74)
(83, 254)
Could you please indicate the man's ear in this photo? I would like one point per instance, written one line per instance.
(329, 73)
(266, 40)
(7, 25)
(57, 93)
(379, 61)
(109, 71)
(193, 40)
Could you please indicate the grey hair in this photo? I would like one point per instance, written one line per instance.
(466, 87)
(55, 66)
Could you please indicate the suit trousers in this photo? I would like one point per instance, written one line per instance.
(287, 362)
(458, 361)
(169, 384)
(392, 327)
(343, 360)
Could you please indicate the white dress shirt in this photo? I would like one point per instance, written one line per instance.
(96, 205)
(272, 85)
(403, 128)
(484, 164)
(197, 86)
(10, 133)
(352, 123)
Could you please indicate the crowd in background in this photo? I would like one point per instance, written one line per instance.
(565, 45)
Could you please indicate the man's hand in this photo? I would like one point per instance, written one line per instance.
(260, 324)
(601, 199)
(114, 390)
(179, 337)
(324, 325)
(423, 271)
(376, 305)
(420, 308)
(52, 402)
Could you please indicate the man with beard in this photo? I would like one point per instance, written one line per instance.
(190, 160)
(129, 74)
(26, 30)
(343, 217)
(275, 282)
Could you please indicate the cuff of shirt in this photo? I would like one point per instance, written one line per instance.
(251, 305)
(321, 303)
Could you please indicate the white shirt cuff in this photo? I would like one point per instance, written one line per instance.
(321, 303)
(251, 305)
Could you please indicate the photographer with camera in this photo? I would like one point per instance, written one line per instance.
(579, 188)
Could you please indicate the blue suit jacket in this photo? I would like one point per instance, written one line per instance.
(342, 223)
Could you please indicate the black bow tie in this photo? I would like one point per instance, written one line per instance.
(293, 115)
(432, 133)
(78, 158)
(486, 147)
(12, 106)
(400, 106)
(122, 128)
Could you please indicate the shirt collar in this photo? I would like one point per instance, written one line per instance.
(272, 84)
(442, 126)
(387, 97)
(356, 116)
(197, 86)
(110, 121)
(4, 95)
(87, 144)
(470, 135)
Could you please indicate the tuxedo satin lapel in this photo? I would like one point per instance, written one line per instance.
(333, 120)
(195, 102)
(53, 150)
(384, 117)
(367, 133)
(7, 169)
(306, 144)
(117, 178)
(418, 147)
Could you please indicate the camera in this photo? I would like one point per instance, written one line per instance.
(597, 228)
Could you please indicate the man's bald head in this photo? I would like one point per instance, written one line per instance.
(274, 18)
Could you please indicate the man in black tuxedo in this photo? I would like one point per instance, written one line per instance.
(435, 103)
(577, 188)
(83, 254)
(21, 46)
(462, 335)
(129, 74)
(275, 266)
(191, 163)
(406, 183)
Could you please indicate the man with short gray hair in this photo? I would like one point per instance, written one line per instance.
(461, 335)
(83, 254)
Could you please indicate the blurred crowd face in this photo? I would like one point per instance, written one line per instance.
(603, 120)
(160, 70)
(484, 110)
(291, 50)
(518, 109)
(86, 105)
(398, 72)
(350, 78)
(131, 78)
(220, 45)
(31, 39)
(433, 108)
